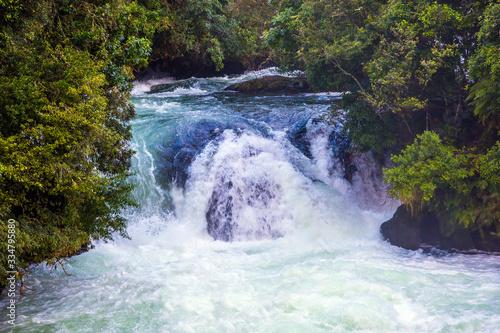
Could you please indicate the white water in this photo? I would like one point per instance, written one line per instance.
(329, 272)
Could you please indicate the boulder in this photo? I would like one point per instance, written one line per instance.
(191, 140)
(272, 84)
(178, 154)
(169, 87)
(424, 229)
(402, 230)
(341, 145)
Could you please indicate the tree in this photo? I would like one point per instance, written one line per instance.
(65, 70)
(65, 78)
(408, 67)
(197, 33)
(330, 40)
(462, 184)
(485, 70)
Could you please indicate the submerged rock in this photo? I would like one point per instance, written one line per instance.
(191, 139)
(242, 208)
(424, 229)
(297, 135)
(169, 87)
(341, 145)
(272, 84)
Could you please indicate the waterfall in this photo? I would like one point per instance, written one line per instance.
(256, 216)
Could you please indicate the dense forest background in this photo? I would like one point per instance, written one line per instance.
(423, 80)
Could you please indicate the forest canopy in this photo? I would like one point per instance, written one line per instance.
(423, 83)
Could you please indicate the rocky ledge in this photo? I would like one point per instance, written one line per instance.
(272, 84)
(426, 229)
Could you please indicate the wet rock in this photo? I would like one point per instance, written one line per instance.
(176, 159)
(177, 156)
(220, 222)
(402, 230)
(169, 87)
(272, 84)
(297, 135)
(229, 206)
(424, 229)
(487, 238)
(341, 145)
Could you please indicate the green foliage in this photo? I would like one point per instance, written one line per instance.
(485, 68)
(413, 46)
(439, 177)
(65, 72)
(425, 167)
(199, 31)
(368, 129)
(254, 17)
(409, 67)
(65, 78)
(329, 40)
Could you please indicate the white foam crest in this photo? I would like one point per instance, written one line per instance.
(251, 74)
(254, 74)
(178, 92)
(167, 107)
(143, 87)
(366, 187)
(268, 196)
(326, 94)
(147, 190)
(247, 75)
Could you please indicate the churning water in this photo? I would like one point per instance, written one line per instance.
(247, 225)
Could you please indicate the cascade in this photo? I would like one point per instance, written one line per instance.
(255, 217)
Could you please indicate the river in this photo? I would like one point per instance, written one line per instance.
(247, 225)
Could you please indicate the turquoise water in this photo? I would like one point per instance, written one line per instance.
(305, 256)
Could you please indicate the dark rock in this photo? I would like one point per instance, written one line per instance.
(168, 87)
(272, 84)
(487, 238)
(226, 205)
(176, 159)
(402, 230)
(341, 145)
(424, 229)
(182, 160)
(83, 249)
(220, 224)
(297, 135)
(177, 155)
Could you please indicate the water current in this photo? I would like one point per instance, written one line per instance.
(247, 224)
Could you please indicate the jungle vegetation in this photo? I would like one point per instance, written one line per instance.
(423, 79)
(424, 85)
(66, 68)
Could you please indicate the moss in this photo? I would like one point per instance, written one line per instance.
(252, 85)
(274, 84)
